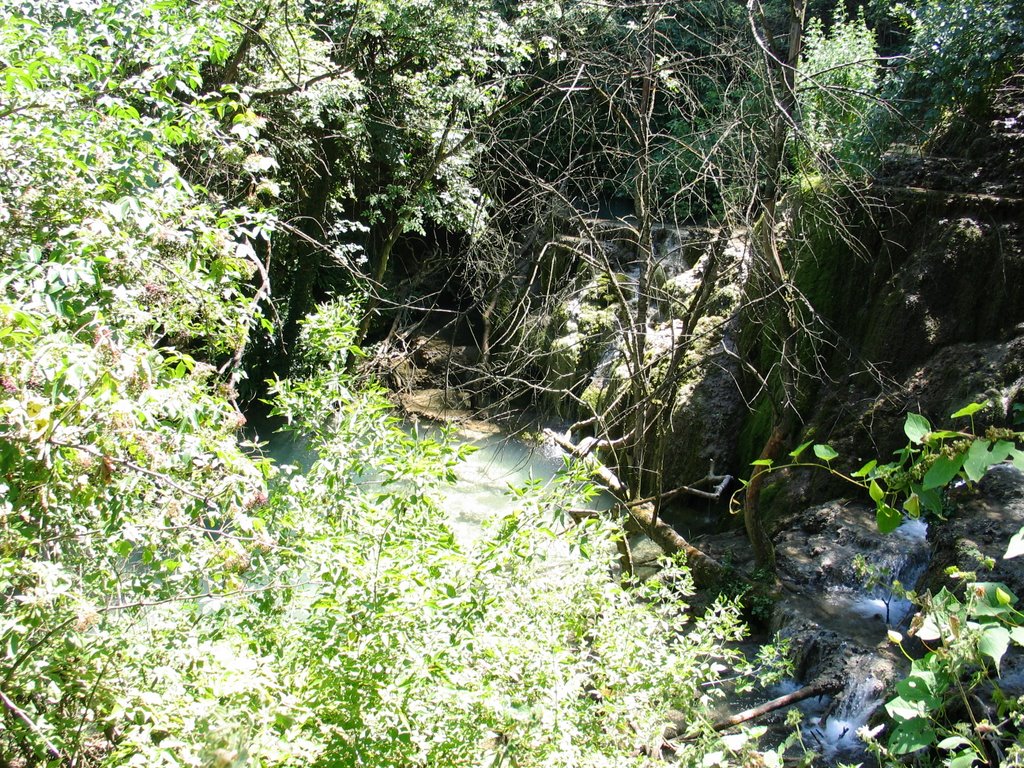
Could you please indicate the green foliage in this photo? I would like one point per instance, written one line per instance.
(966, 641)
(167, 596)
(960, 51)
(838, 79)
(931, 462)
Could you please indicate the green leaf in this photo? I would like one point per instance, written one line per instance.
(1016, 545)
(978, 460)
(942, 471)
(930, 499)
(1017, 635)
(795, 454)
(1017, 456)
(916, 427)
(863, 471)
(762, 463)
(825, 452)
(991, 598)
(994, 642)
(965, 759)
(911, 736)
(952, 742)
(888, 519)
(969, 410)
(876, 492)
(913, 505)
(919, 686)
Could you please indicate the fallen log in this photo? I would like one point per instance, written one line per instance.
(705, 569)
(608, 478)
(817, 688)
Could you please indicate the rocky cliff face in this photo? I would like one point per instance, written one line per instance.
(928, 313)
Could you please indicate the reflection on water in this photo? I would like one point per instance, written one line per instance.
(483, 479)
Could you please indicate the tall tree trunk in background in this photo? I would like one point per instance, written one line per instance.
(643, 205)
(780, 68)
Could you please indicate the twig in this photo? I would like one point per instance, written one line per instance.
(207, 595)
(159, 476)
(20, 713)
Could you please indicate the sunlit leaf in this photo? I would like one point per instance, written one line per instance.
(866, 469)
(875, 491)
(995, 639)
(969, 410)
(825, 452)
(795, 454)
(888, 519)
(965, 759)
(952, 742)
(911, 735)
(1016, 545)
(977, 460)
(916, 427)
(913, 505)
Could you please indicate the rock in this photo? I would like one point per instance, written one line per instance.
(980, 526)
(450, 406)
(440, 357)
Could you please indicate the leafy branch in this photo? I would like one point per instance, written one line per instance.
(933, 461)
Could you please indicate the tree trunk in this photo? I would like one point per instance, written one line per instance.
(705, 569)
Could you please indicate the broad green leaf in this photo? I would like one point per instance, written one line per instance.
(969, 410)
(825, 452)
(978, 460)
(795, 454)
(952, 742)
(930, 499)
(1017, 635)
(902, 709)
(762, 463)
(965, 759)
(1016, 545)
(1002, 451)
(919, 686)
(916, 427)
(994, 642)
(942, 471)
(991, 599)
(911, 736)
(1017, 456)
(876, 492)
(913, 505)
(888, 519)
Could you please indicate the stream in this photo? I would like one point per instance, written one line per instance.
(831, 618)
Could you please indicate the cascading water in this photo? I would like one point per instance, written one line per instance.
(837, 615)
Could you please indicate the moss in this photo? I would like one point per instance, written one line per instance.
(563, 363)
(754, 433)
(595, 396)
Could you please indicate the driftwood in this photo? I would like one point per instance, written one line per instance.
(608, 478)
(705, 569)
(816, 688)
(714, 494)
